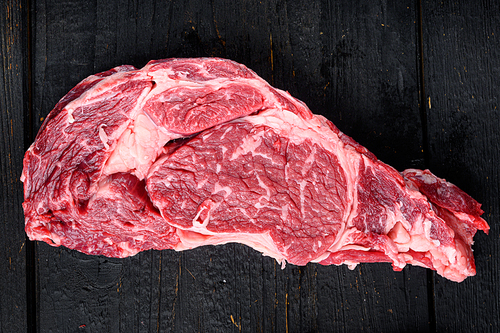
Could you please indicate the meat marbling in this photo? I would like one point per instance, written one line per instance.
(190, 152)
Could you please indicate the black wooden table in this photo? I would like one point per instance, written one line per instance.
(416, 82)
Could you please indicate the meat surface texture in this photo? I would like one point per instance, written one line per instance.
(190, 152)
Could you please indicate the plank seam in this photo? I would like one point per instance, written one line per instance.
(431, 296)
(31, 276)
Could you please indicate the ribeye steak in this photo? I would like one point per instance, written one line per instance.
(191, 152)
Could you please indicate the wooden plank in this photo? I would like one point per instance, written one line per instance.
(231, 287)
(302, 34)
(462, 86)
(356, 64)
(370, 66)
(72, 41)
(368, 77)
(13, 106)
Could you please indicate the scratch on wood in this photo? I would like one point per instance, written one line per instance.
(218, 34)
(22, 245)
(235, 323)
(176, 290)
(217, 27)
(286, 312)
(190, 273)
(272, 58)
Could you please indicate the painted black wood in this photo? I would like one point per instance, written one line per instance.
(367, 83)
(74, 40)
(356, 65)
(359, 64)
(13, 106)
(462, 61)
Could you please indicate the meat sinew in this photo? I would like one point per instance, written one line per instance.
(190, 152)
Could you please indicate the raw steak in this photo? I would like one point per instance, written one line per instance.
(190, 152)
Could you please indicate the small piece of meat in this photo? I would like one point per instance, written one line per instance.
(190, 152)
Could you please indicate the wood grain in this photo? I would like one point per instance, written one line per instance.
(79, 292)
(13, 105)
(370, 73)
(326, 59)
(462, 85)
(357, 63)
